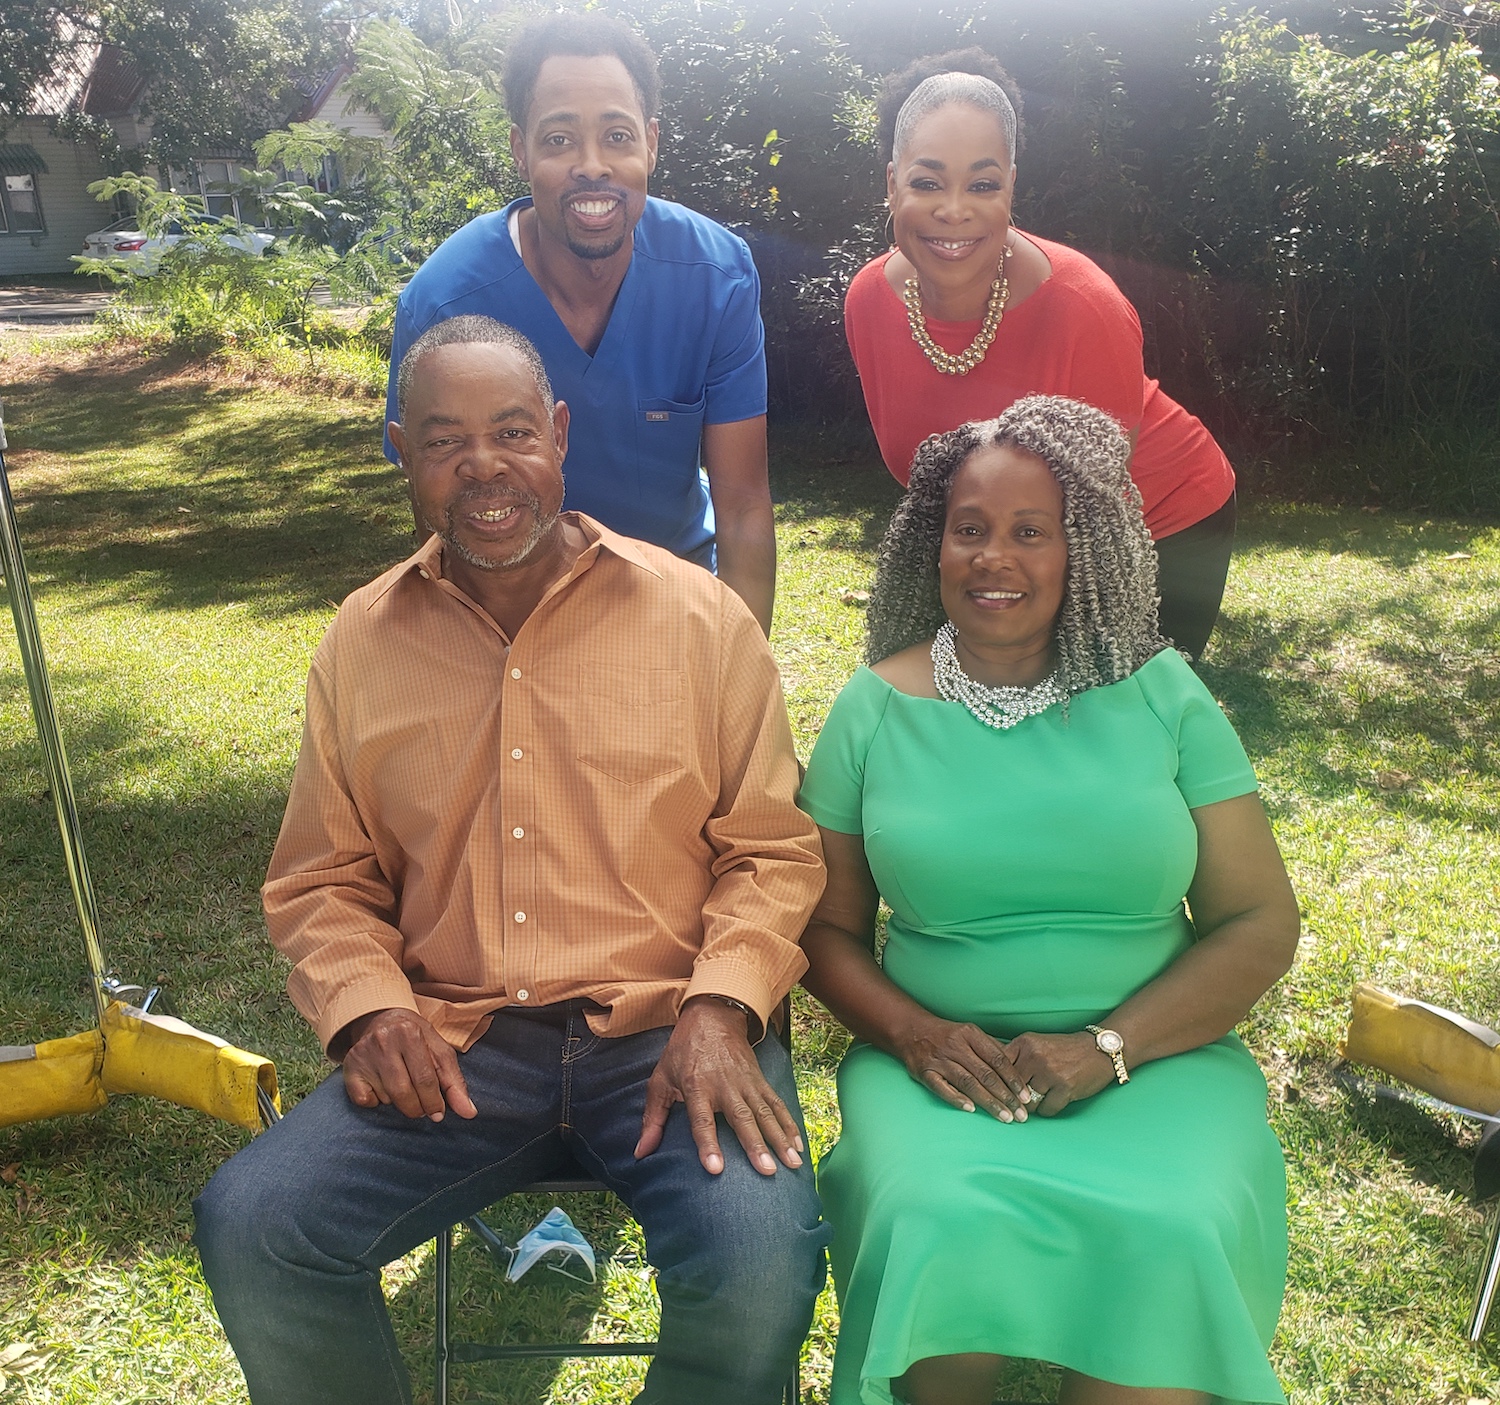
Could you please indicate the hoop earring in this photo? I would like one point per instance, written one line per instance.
(890, 228)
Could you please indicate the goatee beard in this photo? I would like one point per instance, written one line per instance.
(541, 524)
(596, 251)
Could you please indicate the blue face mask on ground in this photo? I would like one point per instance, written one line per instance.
(555, 1235)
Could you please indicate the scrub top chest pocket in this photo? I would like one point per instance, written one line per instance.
(669, 434)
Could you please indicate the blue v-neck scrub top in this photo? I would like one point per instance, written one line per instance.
(683, 347)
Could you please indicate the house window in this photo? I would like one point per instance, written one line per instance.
(20, 209)
(216, 181)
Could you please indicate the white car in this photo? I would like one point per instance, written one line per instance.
(123, 245)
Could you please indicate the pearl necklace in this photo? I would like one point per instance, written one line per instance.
(994, 313)
(1000, 706)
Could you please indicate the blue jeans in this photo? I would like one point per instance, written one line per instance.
(293, 1230)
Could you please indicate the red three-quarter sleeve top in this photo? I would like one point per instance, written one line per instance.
(1076, 335)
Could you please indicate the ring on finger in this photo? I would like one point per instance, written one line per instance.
(1030, 1094)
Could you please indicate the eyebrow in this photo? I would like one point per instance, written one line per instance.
(962, 506)
(553, 118)
(436, 421)
(931, 163)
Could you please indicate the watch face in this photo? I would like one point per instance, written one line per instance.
(1110, 1042)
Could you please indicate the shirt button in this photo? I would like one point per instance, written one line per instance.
(515, 673)
(516, 754)
(519, 832)
(424, 575)
(522, 994)
(520, 917)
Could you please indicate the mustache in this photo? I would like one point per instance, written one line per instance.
(473, 497)
(583, 186)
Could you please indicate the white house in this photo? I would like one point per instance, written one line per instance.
(45, 207)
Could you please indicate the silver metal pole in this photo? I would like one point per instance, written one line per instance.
(34, 663)
(1489, 1280)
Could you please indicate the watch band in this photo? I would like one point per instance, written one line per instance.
(1109, 1042)
(739, 1005)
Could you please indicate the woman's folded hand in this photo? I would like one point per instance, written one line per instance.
(1059, 1069)
(965, 1067)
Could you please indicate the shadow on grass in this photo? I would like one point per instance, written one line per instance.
(832, 472)
(180, 491)
(1397, 539)
(1331, 694)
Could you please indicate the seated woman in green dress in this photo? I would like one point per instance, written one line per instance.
(1053, 1147)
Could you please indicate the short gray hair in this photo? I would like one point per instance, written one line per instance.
(471, 330)
(944, 88)
(1107, 626)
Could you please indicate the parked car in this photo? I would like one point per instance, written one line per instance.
(119, 243)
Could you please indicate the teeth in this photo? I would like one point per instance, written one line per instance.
(495, 514)
(594, 207)
(999, 594)
(954, 244)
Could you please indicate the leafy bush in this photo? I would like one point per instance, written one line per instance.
(1357, 191)
(209, 288)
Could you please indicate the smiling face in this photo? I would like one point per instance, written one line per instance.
(950, 191)
(587, 150)
(1003, 566)
(483, 456)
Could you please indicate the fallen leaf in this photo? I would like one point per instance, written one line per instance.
(855, 597)
(17, 1359)
(184, 509)
(1393, 780)
(9, 1173)
(1461, 556)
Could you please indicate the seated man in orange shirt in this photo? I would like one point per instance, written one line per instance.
(541, 878)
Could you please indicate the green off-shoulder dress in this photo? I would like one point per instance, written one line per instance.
(1036, 879)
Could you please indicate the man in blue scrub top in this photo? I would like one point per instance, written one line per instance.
(646, 314)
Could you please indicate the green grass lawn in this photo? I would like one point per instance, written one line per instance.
(188, 538)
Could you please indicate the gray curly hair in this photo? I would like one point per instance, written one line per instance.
(1107, 626)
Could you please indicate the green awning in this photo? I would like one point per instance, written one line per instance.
(17, 159)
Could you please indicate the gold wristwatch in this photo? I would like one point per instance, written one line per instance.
(1108, 1042)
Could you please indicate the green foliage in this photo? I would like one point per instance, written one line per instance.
(1358, 191)
(31, 36)
(218, 73)
(210, 288)
(449, 154)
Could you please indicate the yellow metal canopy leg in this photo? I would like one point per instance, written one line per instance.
(130, 1050)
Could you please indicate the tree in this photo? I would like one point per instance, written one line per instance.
(217, 73)
(1358, 190)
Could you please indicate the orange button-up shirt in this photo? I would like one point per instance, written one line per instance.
(601, 807)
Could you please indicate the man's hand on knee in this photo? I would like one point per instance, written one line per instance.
(395, 1056)
(709, 1066)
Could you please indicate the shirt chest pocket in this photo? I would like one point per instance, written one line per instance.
(668, 434)
(639, 724)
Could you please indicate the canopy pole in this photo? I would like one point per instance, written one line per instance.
(44, 710)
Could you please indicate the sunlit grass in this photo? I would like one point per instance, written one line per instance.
(188, 537)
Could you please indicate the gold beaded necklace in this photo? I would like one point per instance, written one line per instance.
(994, 313)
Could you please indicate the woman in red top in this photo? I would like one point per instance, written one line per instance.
(967, 314)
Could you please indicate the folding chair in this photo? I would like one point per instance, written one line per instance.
(1456, 1062)
(570, 1180)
